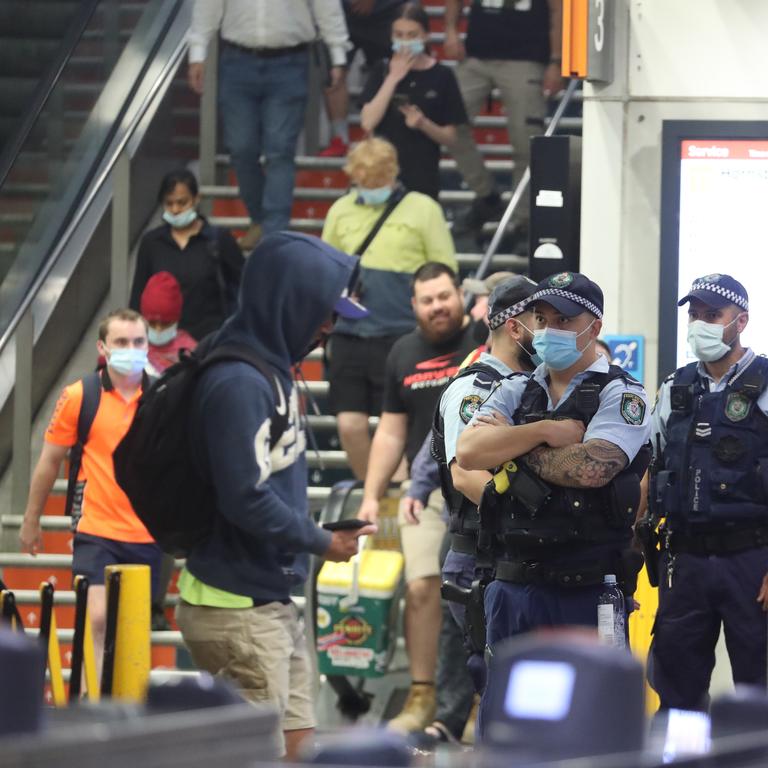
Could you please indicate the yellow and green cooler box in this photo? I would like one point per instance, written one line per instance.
(357, 609)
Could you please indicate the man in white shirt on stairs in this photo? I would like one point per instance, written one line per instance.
(263, 86)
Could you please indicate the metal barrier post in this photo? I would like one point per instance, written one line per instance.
(83, 656)
(121, 206)
(8, 601)
(50, 641)
(22, 414)
(127, 643)
(209, 122)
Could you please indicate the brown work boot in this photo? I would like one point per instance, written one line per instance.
(418, 711)
(252, 236)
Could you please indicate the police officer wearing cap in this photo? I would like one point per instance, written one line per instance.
(577, 434)
(510, 356)
(710, 483)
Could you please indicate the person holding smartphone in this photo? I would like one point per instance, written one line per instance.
(413, 101)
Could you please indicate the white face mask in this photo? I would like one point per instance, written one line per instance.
(163, 337)
(706, 340)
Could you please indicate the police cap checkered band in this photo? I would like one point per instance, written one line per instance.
(502, 317)
(508, 300)
(718, 291)
(570, 293)
(549, 293)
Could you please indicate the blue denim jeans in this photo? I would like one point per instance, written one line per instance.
(262, 103)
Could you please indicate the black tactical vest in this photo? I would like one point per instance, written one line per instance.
(714, 468)
(575, 515)
(463, 516)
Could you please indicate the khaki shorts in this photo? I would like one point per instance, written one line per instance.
(421, 543)
(262, 650)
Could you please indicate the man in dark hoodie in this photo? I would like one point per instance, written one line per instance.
(236, 613)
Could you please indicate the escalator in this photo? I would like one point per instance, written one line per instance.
(99, 123)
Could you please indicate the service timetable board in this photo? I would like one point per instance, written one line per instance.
(724, 227)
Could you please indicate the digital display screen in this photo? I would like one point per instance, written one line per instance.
(687, 734)
(540, 690)
(723, 216)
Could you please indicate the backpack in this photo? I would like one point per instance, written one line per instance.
(88, 407)
(153, 462)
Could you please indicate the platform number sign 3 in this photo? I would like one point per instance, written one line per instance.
(599, 36)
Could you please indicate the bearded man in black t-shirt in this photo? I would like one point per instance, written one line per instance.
(419, 366)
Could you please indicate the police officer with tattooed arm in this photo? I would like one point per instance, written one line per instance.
(573, 442)
(710, 485)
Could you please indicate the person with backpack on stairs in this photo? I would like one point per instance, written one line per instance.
(91, 417)
(236, 614)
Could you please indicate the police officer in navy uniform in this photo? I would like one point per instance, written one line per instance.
(577, 431)
(710, 432)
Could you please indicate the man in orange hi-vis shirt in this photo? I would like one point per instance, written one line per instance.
(108, 532)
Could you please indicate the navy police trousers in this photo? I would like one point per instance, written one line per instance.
(707, 590)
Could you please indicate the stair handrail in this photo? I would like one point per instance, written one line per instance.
(525, 179)
(95, 188)
(47, 85)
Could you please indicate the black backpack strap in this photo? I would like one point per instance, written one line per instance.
(88, 408)
(243, 354)
(398, 193)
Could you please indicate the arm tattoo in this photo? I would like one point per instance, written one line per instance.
(585, 465)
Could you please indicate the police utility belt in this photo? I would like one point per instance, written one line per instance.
(723, 542)
(544, 574)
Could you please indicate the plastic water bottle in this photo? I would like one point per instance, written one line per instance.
(610, 614)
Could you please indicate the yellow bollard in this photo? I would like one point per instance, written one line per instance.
(640, 626)
(132, 655)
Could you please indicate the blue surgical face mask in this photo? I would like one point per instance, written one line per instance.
(163, 337)
(376, 196)
(127, 361)
(706, 340)
(558, 349)
(414, 47)
(180, 220)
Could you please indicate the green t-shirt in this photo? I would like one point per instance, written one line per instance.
(196, 592)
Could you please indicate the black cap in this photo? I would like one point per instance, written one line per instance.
(507, 300)
(570, 293)
(718, 291)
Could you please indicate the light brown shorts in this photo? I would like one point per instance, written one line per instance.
(263, 650)
(421, 543)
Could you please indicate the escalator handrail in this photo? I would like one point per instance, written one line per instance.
(84, 205)
(46, 86)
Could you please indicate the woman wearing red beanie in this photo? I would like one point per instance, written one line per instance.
(161, 304)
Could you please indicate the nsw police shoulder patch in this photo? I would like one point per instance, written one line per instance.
(632, 408)
(737, 406)
(468, 407)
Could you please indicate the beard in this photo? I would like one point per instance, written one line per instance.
(442, 324)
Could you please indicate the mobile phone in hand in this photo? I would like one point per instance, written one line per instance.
(350, 524)
(400, 100)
